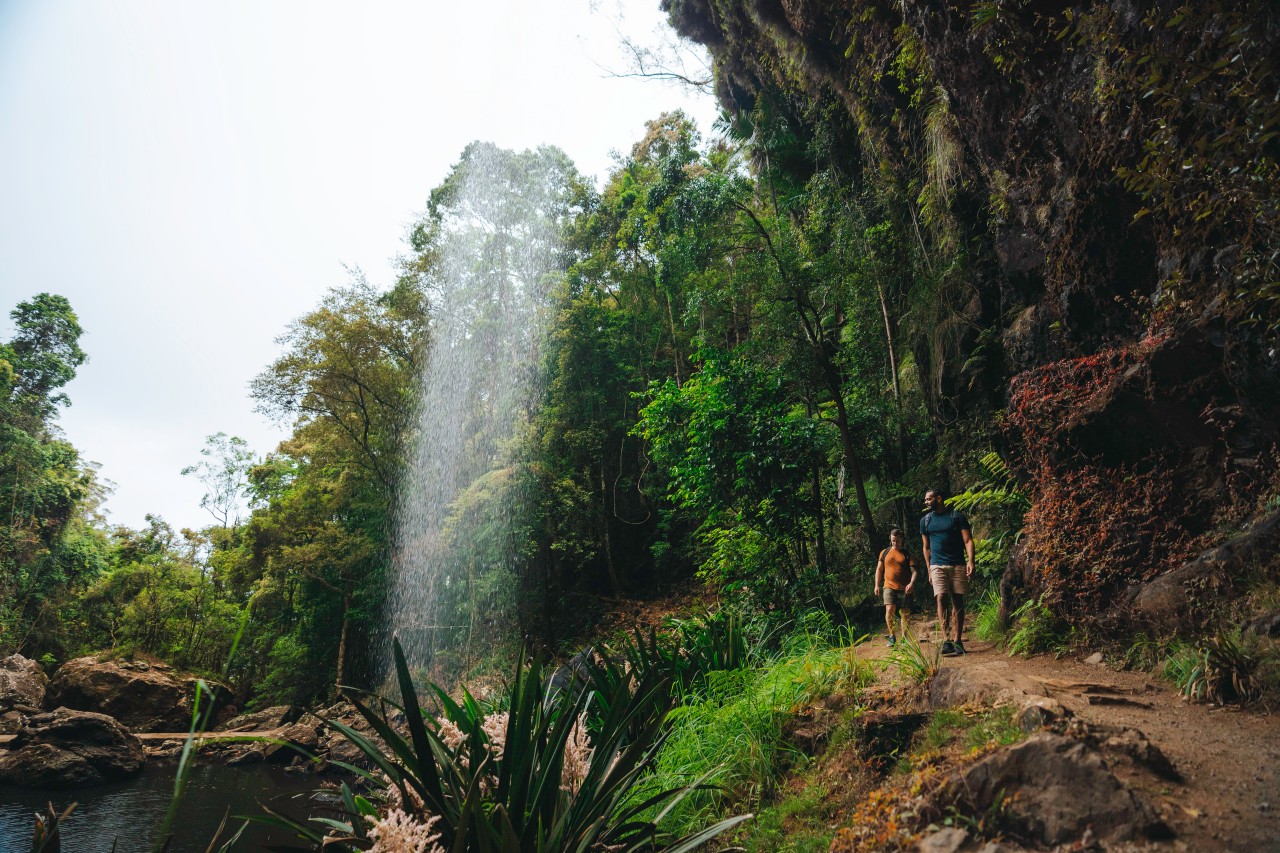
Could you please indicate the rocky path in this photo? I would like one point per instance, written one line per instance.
(1229, 799)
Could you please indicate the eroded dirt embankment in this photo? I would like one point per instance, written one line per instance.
(1209, 776)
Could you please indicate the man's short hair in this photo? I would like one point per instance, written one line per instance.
(897, 530)
(942, 493)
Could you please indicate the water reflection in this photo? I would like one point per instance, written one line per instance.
(132, 810)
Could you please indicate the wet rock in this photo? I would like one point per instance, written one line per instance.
(1051, 789)
(144, 696)
(335, 745)
(247, 754)
(22, 683)
(66, 748)
(11, 722)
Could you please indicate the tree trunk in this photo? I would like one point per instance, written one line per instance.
(608, 545)
(342, 644)
(675, 342)
(902, 505)
(817, 510)
(851, 457)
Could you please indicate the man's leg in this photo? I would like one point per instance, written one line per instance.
(903, 627)
(889, 611)
(958, 603)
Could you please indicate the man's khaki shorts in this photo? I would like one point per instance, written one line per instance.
(951, 579)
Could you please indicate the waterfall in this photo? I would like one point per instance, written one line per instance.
(490, 252)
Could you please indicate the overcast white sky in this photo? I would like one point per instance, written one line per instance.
(193, 175)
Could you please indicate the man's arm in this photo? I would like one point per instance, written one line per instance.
(911, 584)
(924, 543)
(879, 573)
(968, 550)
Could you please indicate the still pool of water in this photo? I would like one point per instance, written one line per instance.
(130, 812)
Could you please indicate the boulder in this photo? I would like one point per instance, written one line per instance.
(66, 748)
(275, 717)
(22, 682)
(1187, 595)
(146, 697)
(1051, 789)
(22, 687)
(302, 735)
(1040, 712)
(1267, 625)
(948, 840)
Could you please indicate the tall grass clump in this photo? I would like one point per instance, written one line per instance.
(987, 624)
(912, 661)
(729, 733)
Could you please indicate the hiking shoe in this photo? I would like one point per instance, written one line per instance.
(948, 649)
(958, 648)
(893, 641)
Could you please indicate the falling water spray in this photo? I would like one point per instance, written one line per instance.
(492, 240)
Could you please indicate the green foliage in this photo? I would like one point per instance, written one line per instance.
(689, 650)
(1222, 671)
(1002, 504)
(224, 472)
(730, 733)
(796, 823)
(1034, 629)
(913, 662)
(49, 546)
(987, 624)
(740, 455)
(994, 727)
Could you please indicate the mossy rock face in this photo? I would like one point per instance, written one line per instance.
(1107, 174)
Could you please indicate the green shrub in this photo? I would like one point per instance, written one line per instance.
(912, 661)
(987, 624)
(731, 733)
(1034, 630)
(1178, 660)
(1223, 671)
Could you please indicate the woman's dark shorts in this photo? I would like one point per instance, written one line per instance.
(896, 598)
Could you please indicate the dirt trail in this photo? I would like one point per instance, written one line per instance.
(1230, 799)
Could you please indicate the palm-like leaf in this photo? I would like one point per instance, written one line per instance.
(517, 799)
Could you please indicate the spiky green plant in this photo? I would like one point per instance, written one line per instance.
(1224, 673)
(483, 797)
(913, 662)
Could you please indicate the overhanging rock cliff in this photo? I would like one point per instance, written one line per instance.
(1103, 178)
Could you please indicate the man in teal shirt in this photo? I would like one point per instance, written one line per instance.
(948, 552)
